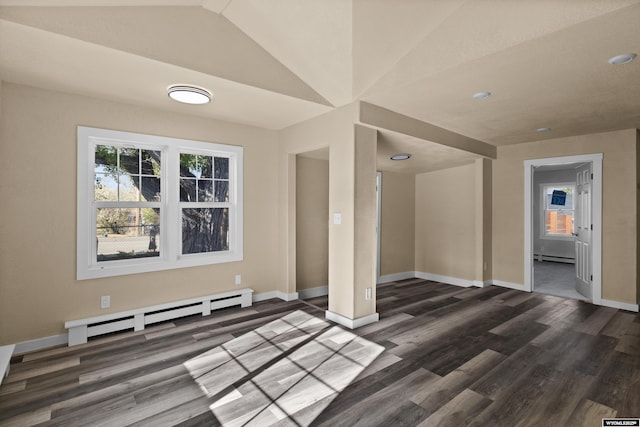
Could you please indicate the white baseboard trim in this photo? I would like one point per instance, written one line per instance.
(465, 283)
(480, 284)
(620, 305)
(41, 343)
(264, 296)
(509, 285)
(320, 291)
(287, 297)
(351, 323)
(396, 277)
(275, 294)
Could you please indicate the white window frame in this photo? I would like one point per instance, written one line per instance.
(170, 206)
(543, 210)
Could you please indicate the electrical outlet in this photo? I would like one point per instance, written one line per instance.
(105, 301)
(367, 293)
(238, 279)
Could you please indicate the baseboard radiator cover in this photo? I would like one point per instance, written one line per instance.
(542, 257)
(82, 329)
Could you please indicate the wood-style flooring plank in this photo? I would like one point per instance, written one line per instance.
(452, 384)
(594, 323)
(451, 356)
(514, 402)
(560, 397)
(24, 374)
(619, 323)
(375, 409)
(137, 363)
(13, 387)
(460, 410)
(617, 385)
(32, 418)
(629, 342)
(590, 414)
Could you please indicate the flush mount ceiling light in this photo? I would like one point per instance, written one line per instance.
(622, 59)
(543, 129)
(400, 156)
(189, 94)
(481, 95)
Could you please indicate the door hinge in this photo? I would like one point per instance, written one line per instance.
(591, 176)
(592, 277)
(592, 227)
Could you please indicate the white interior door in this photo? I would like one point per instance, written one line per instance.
(583, 230)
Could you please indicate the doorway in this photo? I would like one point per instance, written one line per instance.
(584, 244)
(312, 227)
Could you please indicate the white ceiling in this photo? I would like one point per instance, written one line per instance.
(274, 63)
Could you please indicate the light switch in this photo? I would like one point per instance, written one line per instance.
(337, 218)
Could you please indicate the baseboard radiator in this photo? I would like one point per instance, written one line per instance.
(567, 260)
(6, 351)
(82, 329)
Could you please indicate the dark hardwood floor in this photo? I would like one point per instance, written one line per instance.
(452, 356)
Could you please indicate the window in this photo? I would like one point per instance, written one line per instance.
(558, 210)
(148, 203)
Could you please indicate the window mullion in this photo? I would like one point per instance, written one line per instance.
(171, 185)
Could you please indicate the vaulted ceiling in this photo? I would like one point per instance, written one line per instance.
(273, 63)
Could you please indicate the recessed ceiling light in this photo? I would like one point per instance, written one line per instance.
(189, 94)
(543, 129)
(481, 95)
(622, 59)
(400, 156)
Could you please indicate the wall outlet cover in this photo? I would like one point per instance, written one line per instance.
(105, 301)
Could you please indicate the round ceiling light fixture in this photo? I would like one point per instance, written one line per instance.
(622, 59)
(189, 94)
(481, 95)
(401, 156)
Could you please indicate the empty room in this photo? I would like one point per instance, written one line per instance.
(319, 212)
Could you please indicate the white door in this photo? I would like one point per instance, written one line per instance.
(583, 230)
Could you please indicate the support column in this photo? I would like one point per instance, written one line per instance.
(352, 233)
(483, 227)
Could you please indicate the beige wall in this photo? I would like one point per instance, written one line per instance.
(312, 223)
(483, 214)
(445, 222)
(334, 130)
(364, 221)
(619, 217)
(351, 193)
(38, 290)
(638, 215)
(397, 223)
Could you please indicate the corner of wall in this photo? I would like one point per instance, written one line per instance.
(638, 215)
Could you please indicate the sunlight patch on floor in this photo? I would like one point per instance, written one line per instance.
(285, 372)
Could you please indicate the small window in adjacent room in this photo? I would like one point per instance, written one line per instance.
(558, 210)
(148, 203)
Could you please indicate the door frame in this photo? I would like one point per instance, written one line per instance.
(378, 221)
(596, 217)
